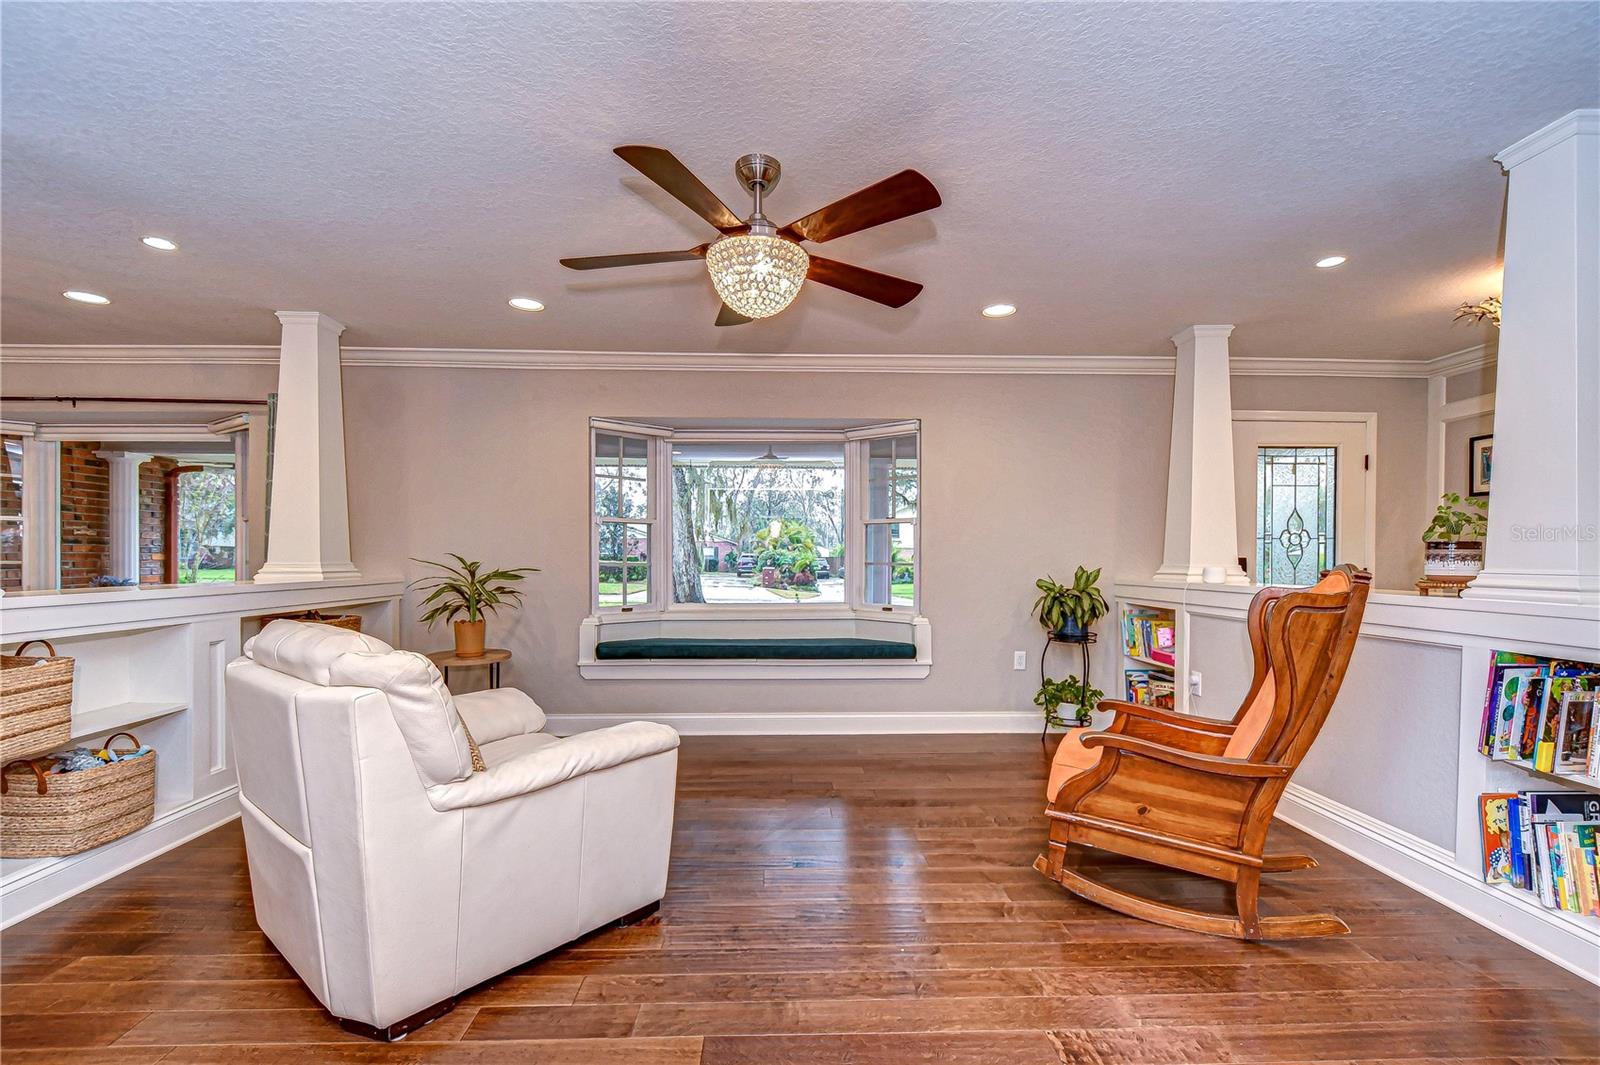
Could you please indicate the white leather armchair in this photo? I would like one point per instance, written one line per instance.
(389, 874)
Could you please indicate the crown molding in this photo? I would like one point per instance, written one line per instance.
(1583, 122)
(722, 362)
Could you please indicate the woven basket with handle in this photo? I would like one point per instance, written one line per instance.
(44, 814)
(35, 702)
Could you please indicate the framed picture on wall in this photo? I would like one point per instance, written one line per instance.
(1480, 453)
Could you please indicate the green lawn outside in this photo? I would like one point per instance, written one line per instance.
(206, 576)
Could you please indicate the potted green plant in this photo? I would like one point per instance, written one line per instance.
(467, 589)
(1068, 691)
(1453, 540)
(1070, 611)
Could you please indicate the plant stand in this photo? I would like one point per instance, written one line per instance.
(1083, 643)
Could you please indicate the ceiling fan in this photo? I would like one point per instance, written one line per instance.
(757, 267)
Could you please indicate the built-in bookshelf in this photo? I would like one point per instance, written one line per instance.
(1539, 832)
(1150, 655)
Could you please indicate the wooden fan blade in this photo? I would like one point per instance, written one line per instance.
(729, 316)
(907, 193)
(868, 284)
(662, 167)
(643, 258)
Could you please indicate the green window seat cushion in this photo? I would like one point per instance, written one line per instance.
(828, 648)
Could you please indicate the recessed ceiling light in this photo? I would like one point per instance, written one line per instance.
(1330, 262)
(523, 303)
(999, 310)
(85, 297)
(159, 243)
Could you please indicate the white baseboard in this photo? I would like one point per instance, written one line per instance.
(813, 724)
(1571, 942)
(40, 885)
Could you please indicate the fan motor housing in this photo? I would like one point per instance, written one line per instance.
(757, 169)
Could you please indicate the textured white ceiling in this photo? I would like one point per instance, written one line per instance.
(1119, 171)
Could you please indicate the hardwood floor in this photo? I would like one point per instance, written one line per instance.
(861, 900)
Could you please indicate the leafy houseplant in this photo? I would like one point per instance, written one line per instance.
(1068, 691)
(468, 589)
(1453, 540)
(1070, 610)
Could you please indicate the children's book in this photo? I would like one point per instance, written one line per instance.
(1495, 819)
(1579, 840)
(1528, 741)
(1498, 664)
(1519, 855)
(1577, 730)
(1557, 690)
(1511, 709)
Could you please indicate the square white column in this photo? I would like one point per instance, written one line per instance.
(1544, 501)
(308, 532)
(124, 512)
(1202, 524)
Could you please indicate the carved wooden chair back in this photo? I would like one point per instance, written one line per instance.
(1301, 640)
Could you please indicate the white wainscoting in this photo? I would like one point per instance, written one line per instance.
(151, 659)
(1396, 674)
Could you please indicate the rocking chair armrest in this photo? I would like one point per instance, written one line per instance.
(1167, 717)
(1204, 763)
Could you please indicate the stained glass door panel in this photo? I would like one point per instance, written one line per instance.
(1295, 500)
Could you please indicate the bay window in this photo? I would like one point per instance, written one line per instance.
(708, 519)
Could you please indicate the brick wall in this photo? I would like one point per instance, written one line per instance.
(85, 514)
(153, 518)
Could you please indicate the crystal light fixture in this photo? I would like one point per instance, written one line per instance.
(758, 273)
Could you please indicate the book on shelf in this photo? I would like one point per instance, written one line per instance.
(1149, 636)
(1540, 713)
(1543, 842)
(1150, 688)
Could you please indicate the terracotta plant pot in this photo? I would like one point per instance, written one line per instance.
(469, 638)
(1452, 558)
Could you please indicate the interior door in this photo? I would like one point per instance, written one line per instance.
(1302, 490)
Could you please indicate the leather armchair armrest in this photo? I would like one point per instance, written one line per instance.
(1204, 763)
(1167, 717)
(546, 767)
(498, 713)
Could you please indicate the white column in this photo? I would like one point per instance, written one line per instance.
(1202, 526)
(124, 513)
(1544, 502)
(41, 514)
(308, 535)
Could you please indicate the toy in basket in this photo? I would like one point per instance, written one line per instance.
(343, 621)
(35, 702)
(45, 812)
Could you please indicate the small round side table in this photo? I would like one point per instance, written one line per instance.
(491, 657)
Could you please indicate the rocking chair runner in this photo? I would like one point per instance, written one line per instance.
(1198, 794)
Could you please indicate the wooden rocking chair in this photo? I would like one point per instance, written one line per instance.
(1198, 794)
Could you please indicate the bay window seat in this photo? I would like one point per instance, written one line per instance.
(814, 649)
(755, 645)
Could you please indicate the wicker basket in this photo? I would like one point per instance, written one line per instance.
(45, 815)
(343, 621)
(35, 702)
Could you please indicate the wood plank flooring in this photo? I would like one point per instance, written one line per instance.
(860, 900)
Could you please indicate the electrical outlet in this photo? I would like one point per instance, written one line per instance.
(1019, 660)
(1194, 682)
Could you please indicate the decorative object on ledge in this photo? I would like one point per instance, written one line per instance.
(35, 702)
(1486, 310)
(45, 813)
(1480, 454)
(471, 591)
(491, 657)
(343, 621)
(1453, 540)
(1447, 587)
